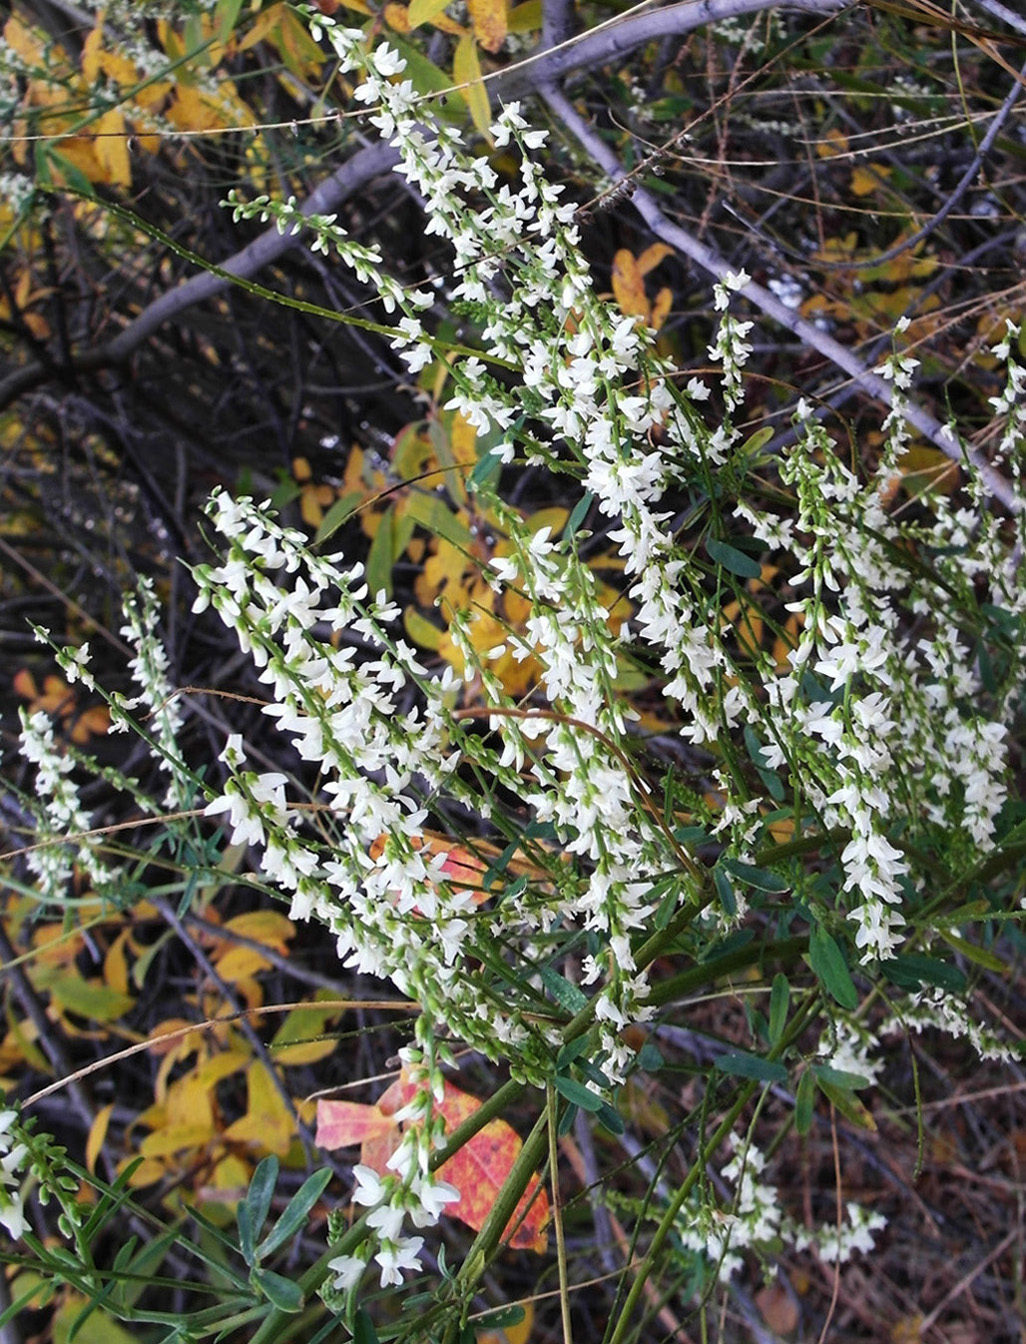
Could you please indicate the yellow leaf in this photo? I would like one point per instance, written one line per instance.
(189, 1104)
(269, 927)
(466, 71)
(268, 1124)
(652, 256)
(241, 963)
(218, 1067)
(115, 964)
(488, 21)
(174, 1139)
(660, 309)
(265, 24)
(97, 1134)
(91, 53)
(832, 144)
(112, 148)
(423, 11)
(525, 18)
(628, 285)
(864, 181)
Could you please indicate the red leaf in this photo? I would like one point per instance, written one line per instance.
(478, 1170)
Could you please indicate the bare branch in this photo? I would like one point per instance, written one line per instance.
(715, 264)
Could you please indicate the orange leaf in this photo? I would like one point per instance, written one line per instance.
(652, 256)
(478, 1170)
(488, 20)
(343, 1124)
(628, 285)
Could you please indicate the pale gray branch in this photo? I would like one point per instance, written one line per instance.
(716, 265)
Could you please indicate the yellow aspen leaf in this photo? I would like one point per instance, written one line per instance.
(148, 1172)
(488, 22)
(115, 964)
(265, 23)
(214, 1070)
(295, 1041)
(525, 18)
(241, 963)
(661, 306)
(628, 285)
(112, 148)
(832, 144)
(189, 1104)
(91, 48)
(864, 181)
(97, 1134)
(424, 11)
(652, 256)
(466, 71)
(174, 1139)
(268, 1124)
(269, 927)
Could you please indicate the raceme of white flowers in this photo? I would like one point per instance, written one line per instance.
(894, 739)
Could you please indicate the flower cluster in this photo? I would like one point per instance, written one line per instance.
(14, 1158)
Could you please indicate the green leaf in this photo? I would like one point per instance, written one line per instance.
(363, 1328)
(826, 1073)
(913, 969)
(725, 891)
(435, 516)
(848, 1104)
(226, 16)
(741, 1065)
(780, 997)
(283, 1293)
(980, 955)
(756, 441)
(831, 969)
(466, 70)
(340, 511)
(730, 558)
(580, 511)
(382, 554)
(295, 1213)
(760, 878)
(610, 1120)
(252, 1212)
(500, 1318)
(804, 1102)
(568, 996)
(577, 1093)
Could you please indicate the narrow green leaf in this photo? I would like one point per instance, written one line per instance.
(283, 1293)
(610, 1120)
(435, 516)
(568, 996)
(741, 1065)
(226, 15)
(566, 1120)
(381, 555)
(760, 878)
(363, 1328)
(831, 969)
(338, 513)
(295, 1213)
(725, 891)
(780, 997)
(804, 1102)
(980, 955)
(580, 512)
(500, 1318)
(730, 558)
(577, 1093)
(253, 1210)
(826, 1073)
(848, 1104)
(913, 969)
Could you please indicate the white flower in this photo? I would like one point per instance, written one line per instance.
(393, 1259)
